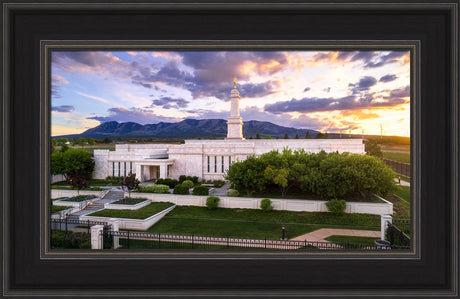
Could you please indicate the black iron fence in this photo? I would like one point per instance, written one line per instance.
(67, 224)
(396, 236)
(132, 240)
(399, 167)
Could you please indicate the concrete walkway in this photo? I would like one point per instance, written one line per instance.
(403, 183)
(320, 234)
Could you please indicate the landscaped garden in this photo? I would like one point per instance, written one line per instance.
(55, 209)
(141, 213)
(129, 201)
(249, 223)
(313, 175)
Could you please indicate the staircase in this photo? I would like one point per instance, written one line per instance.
(111, 196)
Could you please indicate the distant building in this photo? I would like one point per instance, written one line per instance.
(206, 159)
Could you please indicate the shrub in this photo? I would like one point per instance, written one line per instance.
(170, 182)
(233, 193)
(218, 183)
(336, 206)
(200, 190)
(97, 189)
(157, 188)
(182, 178)
(54, 186)
(181, 189)
(212, 202)
(266, 205)
(188, 183)
(68, 239)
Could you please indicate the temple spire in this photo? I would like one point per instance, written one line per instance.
(235, 122)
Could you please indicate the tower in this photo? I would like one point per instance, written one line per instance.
(235, 121)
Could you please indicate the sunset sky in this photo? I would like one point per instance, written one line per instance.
(329, 91)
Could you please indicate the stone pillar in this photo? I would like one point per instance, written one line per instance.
(384, 220)
(96, 236)
(163, 170)
(235, 121)
(115, 222)
(138, 172)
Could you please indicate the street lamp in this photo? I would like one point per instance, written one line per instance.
(283, 232)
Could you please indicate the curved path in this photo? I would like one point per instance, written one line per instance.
(322, 233)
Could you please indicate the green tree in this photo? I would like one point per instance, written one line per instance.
(307, 135)
(62, 141)
(372, 148)
(81, 141)
(91, 141)
(286, 136)
(53, 145)
(284, 169)
(296, 136)
(71, 163)
(73, 142)
(268, 137)
(257, 135)
(320, 136)
(107, 140)
(248, 175)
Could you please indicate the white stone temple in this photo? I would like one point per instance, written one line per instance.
(206, 159)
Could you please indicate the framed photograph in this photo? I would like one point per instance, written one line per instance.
(222, 85)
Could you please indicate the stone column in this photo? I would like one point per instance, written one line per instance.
(139, 172)
(163, 170)
(115, 222)
(384, 220)
(96, 237)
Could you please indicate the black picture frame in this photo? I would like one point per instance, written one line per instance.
(30, 270)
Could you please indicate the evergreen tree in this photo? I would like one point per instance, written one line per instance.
(308, 136)
(286, 136)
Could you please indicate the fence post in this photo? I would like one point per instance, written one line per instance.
(96, 237)
(159, 240)
(384, 220)
(128, 239)
(66, 224)
(115, 223)
(192, 241)
(228, 244)
(88, 226)
(265, 242)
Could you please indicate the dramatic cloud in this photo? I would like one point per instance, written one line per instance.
(364, 84)
(388, 78)
(137, 115)
(211, 73)
(396, 97)
(370, 59)
(168, 103)
(63, 108)
(56, 83)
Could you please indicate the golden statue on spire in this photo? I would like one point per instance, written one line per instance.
(234, 81)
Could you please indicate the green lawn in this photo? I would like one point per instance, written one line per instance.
(351, 239)
(129, 201)
(400, 157)
(247, 223)
(141, 213)
(55, 209)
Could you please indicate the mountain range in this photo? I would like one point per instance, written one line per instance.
(188, 128)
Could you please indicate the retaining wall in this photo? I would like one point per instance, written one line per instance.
(298, 205)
